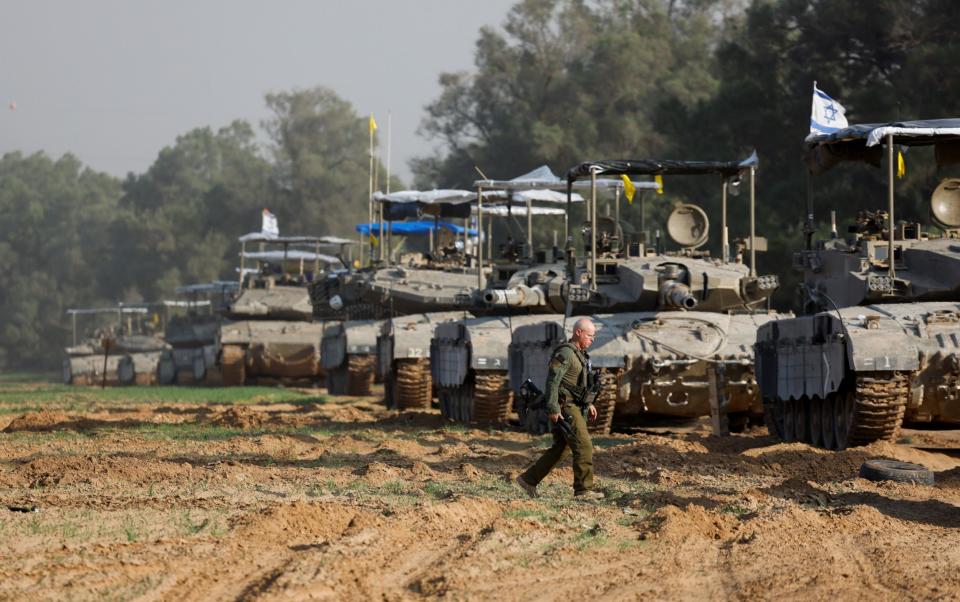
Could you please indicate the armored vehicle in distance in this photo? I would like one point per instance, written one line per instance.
(272, 338)
(882, 342)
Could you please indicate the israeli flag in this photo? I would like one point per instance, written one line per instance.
(827, 115)
(269, 226)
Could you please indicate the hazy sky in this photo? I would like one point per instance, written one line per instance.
(115, 81)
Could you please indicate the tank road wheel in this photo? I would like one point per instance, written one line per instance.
(234, 371)
(842, 416)
(879, 405)
(492, 397)
(801, 422)
(814, 421)
(413, 384)
(360, 369)
(789, 420)
(463, 402)
(606, 403)
(828, 437)
(773, 417)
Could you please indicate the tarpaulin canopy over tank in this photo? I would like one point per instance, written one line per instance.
(295, 240)
(409, 228)
(863, 142)
(660, 167)
(289, 255)
(453, 203)
(544, 178)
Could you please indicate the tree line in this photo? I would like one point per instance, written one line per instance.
(561, 81)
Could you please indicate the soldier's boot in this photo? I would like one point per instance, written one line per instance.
(588, 496)
(530, 489)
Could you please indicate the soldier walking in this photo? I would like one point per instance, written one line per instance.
(567, 397)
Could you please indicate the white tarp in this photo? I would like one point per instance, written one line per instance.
(877, 135)
(544, 178)
(289, 255)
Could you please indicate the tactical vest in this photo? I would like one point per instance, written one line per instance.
(576, 393)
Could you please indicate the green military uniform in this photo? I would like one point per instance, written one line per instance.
(568, 367)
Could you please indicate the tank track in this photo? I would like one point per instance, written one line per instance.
(360, 369)
(232, 365)
(871, 410)
(492, 396)
(605, 403)
(880, 403)
(413, 384)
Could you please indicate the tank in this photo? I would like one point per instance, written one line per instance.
(683, 346)
(125, 351)
(192, 324)
(879, 343)
(272, 337)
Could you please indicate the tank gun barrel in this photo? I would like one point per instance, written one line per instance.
(676, 295)
(516, 296)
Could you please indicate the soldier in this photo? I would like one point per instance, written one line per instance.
(566, 396)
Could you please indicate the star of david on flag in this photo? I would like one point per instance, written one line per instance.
(827, 115)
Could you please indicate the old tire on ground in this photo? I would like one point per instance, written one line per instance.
(233, 368)
(412, 384)
(360, 372)
(492, 397)
(606, 403)
(892, 470)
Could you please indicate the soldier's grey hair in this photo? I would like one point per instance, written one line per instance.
(582, 323)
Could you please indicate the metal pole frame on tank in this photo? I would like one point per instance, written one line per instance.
(593, 229)
(753, 221)
(480, 283)
(890, 222)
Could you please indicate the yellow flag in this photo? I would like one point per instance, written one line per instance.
(901, 164)
(373, 124)
(373, 239)
(659, 180)
(628, 189)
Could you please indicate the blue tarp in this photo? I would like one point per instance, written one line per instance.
(408, 228)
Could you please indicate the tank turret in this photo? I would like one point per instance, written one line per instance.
(643, 281)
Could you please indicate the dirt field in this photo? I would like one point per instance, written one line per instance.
(170, 494)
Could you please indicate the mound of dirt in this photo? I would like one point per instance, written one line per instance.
(469, 471)
(49, 471)
(377, 472)
(673, 524)
(422, 472)
(44, 420)
(238, 417)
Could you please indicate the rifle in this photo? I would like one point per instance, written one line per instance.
(532, 399)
